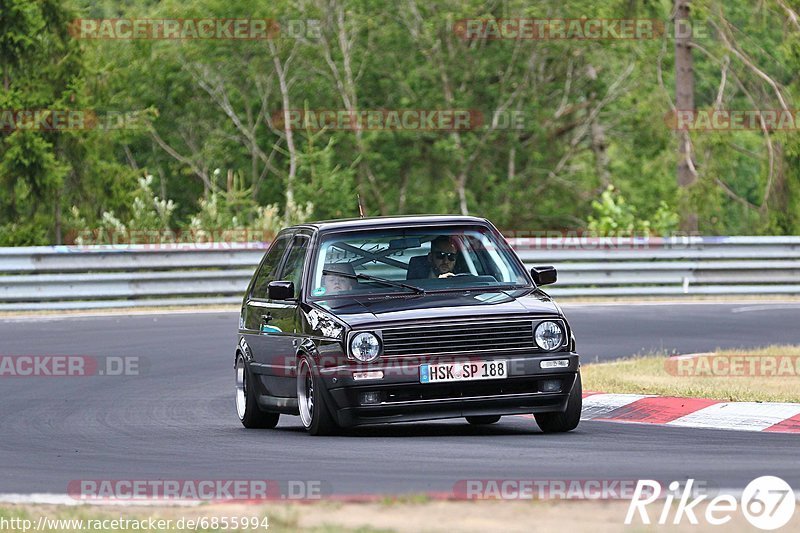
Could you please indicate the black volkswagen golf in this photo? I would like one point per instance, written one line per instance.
(398, 319)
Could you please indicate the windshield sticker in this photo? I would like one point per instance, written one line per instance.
(319, 291)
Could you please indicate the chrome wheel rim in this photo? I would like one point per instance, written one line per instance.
(305, 393)
(241, 389)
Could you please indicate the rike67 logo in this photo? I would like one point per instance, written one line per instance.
(768, 503)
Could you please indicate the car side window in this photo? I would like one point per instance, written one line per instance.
(269, 267)
(293, 268)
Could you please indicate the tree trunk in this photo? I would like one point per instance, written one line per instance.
(684, 101)
(600, 149)
(280, 70)
(57, 216)
(461, 185)
(507, 209)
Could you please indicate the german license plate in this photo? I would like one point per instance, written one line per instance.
(467, 371)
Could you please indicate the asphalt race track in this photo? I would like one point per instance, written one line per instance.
(177, 419)
(610, 331)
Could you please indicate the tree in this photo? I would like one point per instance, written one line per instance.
(40, 72)
(684, 101)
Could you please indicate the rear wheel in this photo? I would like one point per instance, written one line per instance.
(482, 420)
(250, 415)
(314, 412)
(569, 419)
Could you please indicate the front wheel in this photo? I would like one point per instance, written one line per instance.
(569, 419)
(250, 415)
(314, 412)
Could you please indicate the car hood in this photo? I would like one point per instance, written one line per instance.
(359, 311)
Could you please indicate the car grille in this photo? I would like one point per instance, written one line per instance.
(462, 337)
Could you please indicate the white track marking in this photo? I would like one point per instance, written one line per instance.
(743, 416)
(753, 308)
(599, 405)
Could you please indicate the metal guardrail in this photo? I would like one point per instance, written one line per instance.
(668, 267)
(63, 277)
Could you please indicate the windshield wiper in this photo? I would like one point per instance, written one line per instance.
(367, 277)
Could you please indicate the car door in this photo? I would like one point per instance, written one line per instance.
(273, 324)
(257, 313)
(284, 327)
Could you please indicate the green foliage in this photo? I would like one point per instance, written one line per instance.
(664, 221)
(326, 185)
(235, 209)
(590, 111)
(613, 216)
(30, 232)
(230, 209)
(148, 210)
(148, 213)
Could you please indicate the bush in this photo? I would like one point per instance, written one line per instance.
(614, 217)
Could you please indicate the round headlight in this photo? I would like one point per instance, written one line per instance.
(548, 335)
(365, 346)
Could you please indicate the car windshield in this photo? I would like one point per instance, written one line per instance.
(398, 260)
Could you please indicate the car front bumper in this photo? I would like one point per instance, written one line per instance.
(401, 397)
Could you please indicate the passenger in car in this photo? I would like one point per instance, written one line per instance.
(335, 284)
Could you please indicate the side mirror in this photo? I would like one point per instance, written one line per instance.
(544, 275)
(280, 290)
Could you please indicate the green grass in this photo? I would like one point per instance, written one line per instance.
(659, 374)
(405, 499)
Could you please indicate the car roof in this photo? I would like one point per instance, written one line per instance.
(390, 221)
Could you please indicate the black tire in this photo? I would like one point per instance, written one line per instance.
(569, 419)
(482, 420)
(250, 415)
(314, 411)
